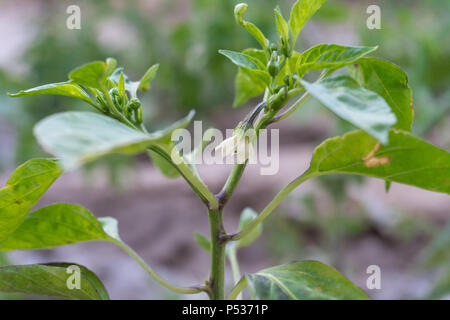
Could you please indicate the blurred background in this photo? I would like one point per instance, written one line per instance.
(344, 221)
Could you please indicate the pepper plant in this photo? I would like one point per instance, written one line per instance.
(373, 95)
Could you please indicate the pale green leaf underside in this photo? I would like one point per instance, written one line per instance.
(303, 280)
(77, 137)
(363, 108)
(51, 280)
(301, 12)
(62, 88)
(57, 225)
(406, 159)
(390, 82)
(23, 190)
(329, 56)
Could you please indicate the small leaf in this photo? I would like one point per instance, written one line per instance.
(51, 280)
(144, 83)
(251, 83)
(303, 280)
(23, 190)
(390, 82)
(361, 107)
(93, 74)
(247, 216)
(62, 88)
(78, 137)
(202, 241)
(239, 10)
(282, 26)
(406, 159)
(301, 12)
(242, 60)
(329, 56)
(57, 225)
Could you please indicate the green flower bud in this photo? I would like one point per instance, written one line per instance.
(272, 65)
(134, 104)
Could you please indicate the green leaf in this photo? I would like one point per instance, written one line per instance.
(282, 26)
(247, 216)
(166, 168)
(202, 241)
(62, 88)
(239, 10)
(301, 12)
(390, 82)
(93, 75)
(247, 85)
(363, 108)
(406, 159)
(303, 280)
(57, 225)
(52, 280)
(144, 83)
(242, 60)
(78, 137)
(330, 56)
(251, 83)
(23, 190)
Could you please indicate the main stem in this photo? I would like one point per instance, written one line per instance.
(217, 278)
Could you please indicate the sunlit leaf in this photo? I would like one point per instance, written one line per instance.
(329, 56)
(301, 12)
(406, 159)
(52, 280)
(57, 225)
(23, 190)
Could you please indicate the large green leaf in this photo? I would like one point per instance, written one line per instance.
(57, 225)
(77, 137)
(303, 280)
(329, 56)
(406, 159)
(166, 168)
(363, 108)
(301, 12)
(51, 280)
(24, 188)
(390, 82)
(62, 88)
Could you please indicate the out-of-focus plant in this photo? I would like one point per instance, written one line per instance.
(374, 97)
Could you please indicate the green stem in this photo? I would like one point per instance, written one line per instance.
(217, 277)
(237, 289)
(116, 112)
(132, 253)
(270, 207)
(292, 108)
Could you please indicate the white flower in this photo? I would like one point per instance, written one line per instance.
(241, 144)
